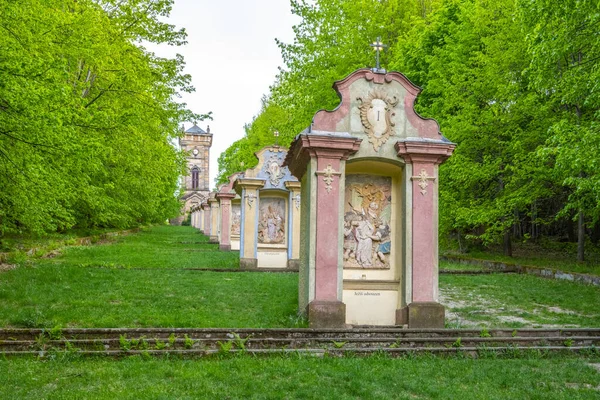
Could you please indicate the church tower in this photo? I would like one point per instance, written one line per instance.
(196, 143)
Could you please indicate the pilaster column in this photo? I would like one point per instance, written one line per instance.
(248, 191)
(214, 219)
(225, 220)
(294, 225)
(206, 210)
(322, 157)
(200, 218)
(423, 310)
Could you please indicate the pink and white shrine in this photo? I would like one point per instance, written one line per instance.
(229, 215)
(269, 214)
(214, 212)
(369, 179)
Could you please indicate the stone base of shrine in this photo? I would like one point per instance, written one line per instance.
(402, 316)
(225, 247)
(248, 263)
(213, 239)
(293, 265)
(274, 258)
(425, 315)
(326, 314)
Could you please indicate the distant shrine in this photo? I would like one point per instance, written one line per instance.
(268, 213)
(196, 143)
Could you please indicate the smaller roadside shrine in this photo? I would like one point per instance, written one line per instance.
(269, 227)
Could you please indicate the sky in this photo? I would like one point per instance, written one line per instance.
(232, 57)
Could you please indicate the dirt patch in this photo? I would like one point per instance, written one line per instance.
(582, 386)
(595, 366)
(464, 310)
(559, 310)
(7, 267)
(513, 319)
(52, 254)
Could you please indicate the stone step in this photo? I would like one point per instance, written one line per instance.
(356, 343)
(337, 334)
(511, 351)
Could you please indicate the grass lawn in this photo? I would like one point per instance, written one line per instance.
(300, 378)
(155, 247)
(511, 300)
(71, 296)
(137, 281)
(546, 258)
(26, 242)
(453, 266)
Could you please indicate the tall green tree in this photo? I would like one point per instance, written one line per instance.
(87, 115)
(469, 57)
(512, 82)
(331, 41)
(565, 64)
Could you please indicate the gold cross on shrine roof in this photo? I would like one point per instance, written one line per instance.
(378, 46)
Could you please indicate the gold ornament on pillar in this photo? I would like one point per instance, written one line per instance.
(423, 179)
(328, 174)
(250, 199)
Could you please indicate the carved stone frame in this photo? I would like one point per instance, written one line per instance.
(364, 108)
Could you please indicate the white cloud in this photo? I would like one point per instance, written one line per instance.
(232, 57)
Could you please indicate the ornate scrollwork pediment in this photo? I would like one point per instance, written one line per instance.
(273, 169)
(376, 112)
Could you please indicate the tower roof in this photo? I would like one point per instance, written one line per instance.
(195, 130)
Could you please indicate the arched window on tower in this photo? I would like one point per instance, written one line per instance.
(195, 178)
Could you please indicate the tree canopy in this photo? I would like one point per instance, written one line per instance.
(88, 116)
(512, 82)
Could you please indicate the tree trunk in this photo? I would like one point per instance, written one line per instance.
(595, 235)
(581, 237)
(507, 244)
(570, 230)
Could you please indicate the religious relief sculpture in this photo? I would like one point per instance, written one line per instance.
(367, 214)
(236, 218)
(273, 169)
(271, 221)
(376, 112)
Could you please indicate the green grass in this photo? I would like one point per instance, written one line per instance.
(25, 242)
(49, 295)
(299, 378)
(138, 281)
(454, 266)
(511, 300)
(155, 247)
(538, 256)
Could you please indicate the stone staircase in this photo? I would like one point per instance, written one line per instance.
(363, 341)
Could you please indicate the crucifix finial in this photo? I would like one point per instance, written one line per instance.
(378, 46)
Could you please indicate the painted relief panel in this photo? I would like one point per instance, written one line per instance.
(367, 215)
(271, 221)
(236, 219)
